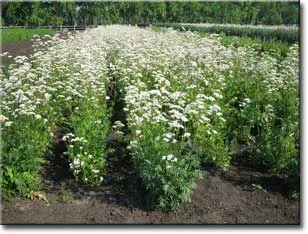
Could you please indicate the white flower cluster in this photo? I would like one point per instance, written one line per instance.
(82, 160)
(172, 79)
(117, 126)
(66, 70)
(165, 81)
(59, 76)
(169, 159)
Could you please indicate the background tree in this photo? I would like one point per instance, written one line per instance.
(37, 17)
(87, 13)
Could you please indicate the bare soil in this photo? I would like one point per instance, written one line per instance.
(241, 195)
(19, 48)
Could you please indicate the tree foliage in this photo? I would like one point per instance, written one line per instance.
(87, 13)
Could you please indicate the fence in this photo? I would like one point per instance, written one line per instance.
(61, 27)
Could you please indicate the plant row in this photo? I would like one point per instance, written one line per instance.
(188, 101)
(191, 100)
(289, 34)
(57, 94)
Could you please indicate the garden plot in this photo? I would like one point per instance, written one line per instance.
(172, 101)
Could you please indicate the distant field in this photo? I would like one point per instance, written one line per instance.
(10, 35)
(283, 33)
(275, 47)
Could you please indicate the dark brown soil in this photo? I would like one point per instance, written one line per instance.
(18, 48)
(242, 195)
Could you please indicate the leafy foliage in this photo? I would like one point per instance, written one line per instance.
(87, 142)
(40, 94)
(188, 101)
(69, 13)
(23, 147)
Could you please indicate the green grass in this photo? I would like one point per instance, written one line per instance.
(11, 35)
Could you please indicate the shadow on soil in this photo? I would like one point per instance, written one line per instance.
(250, 178)
(121, 185)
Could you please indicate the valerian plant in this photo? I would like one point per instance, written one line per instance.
(187, 101)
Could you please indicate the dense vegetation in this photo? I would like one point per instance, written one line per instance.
(199, 98)
(279, 33)
(69, 13)
(60, 89)
(10, 35)
(272, 47)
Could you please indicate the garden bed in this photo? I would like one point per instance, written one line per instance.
(144, 130)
